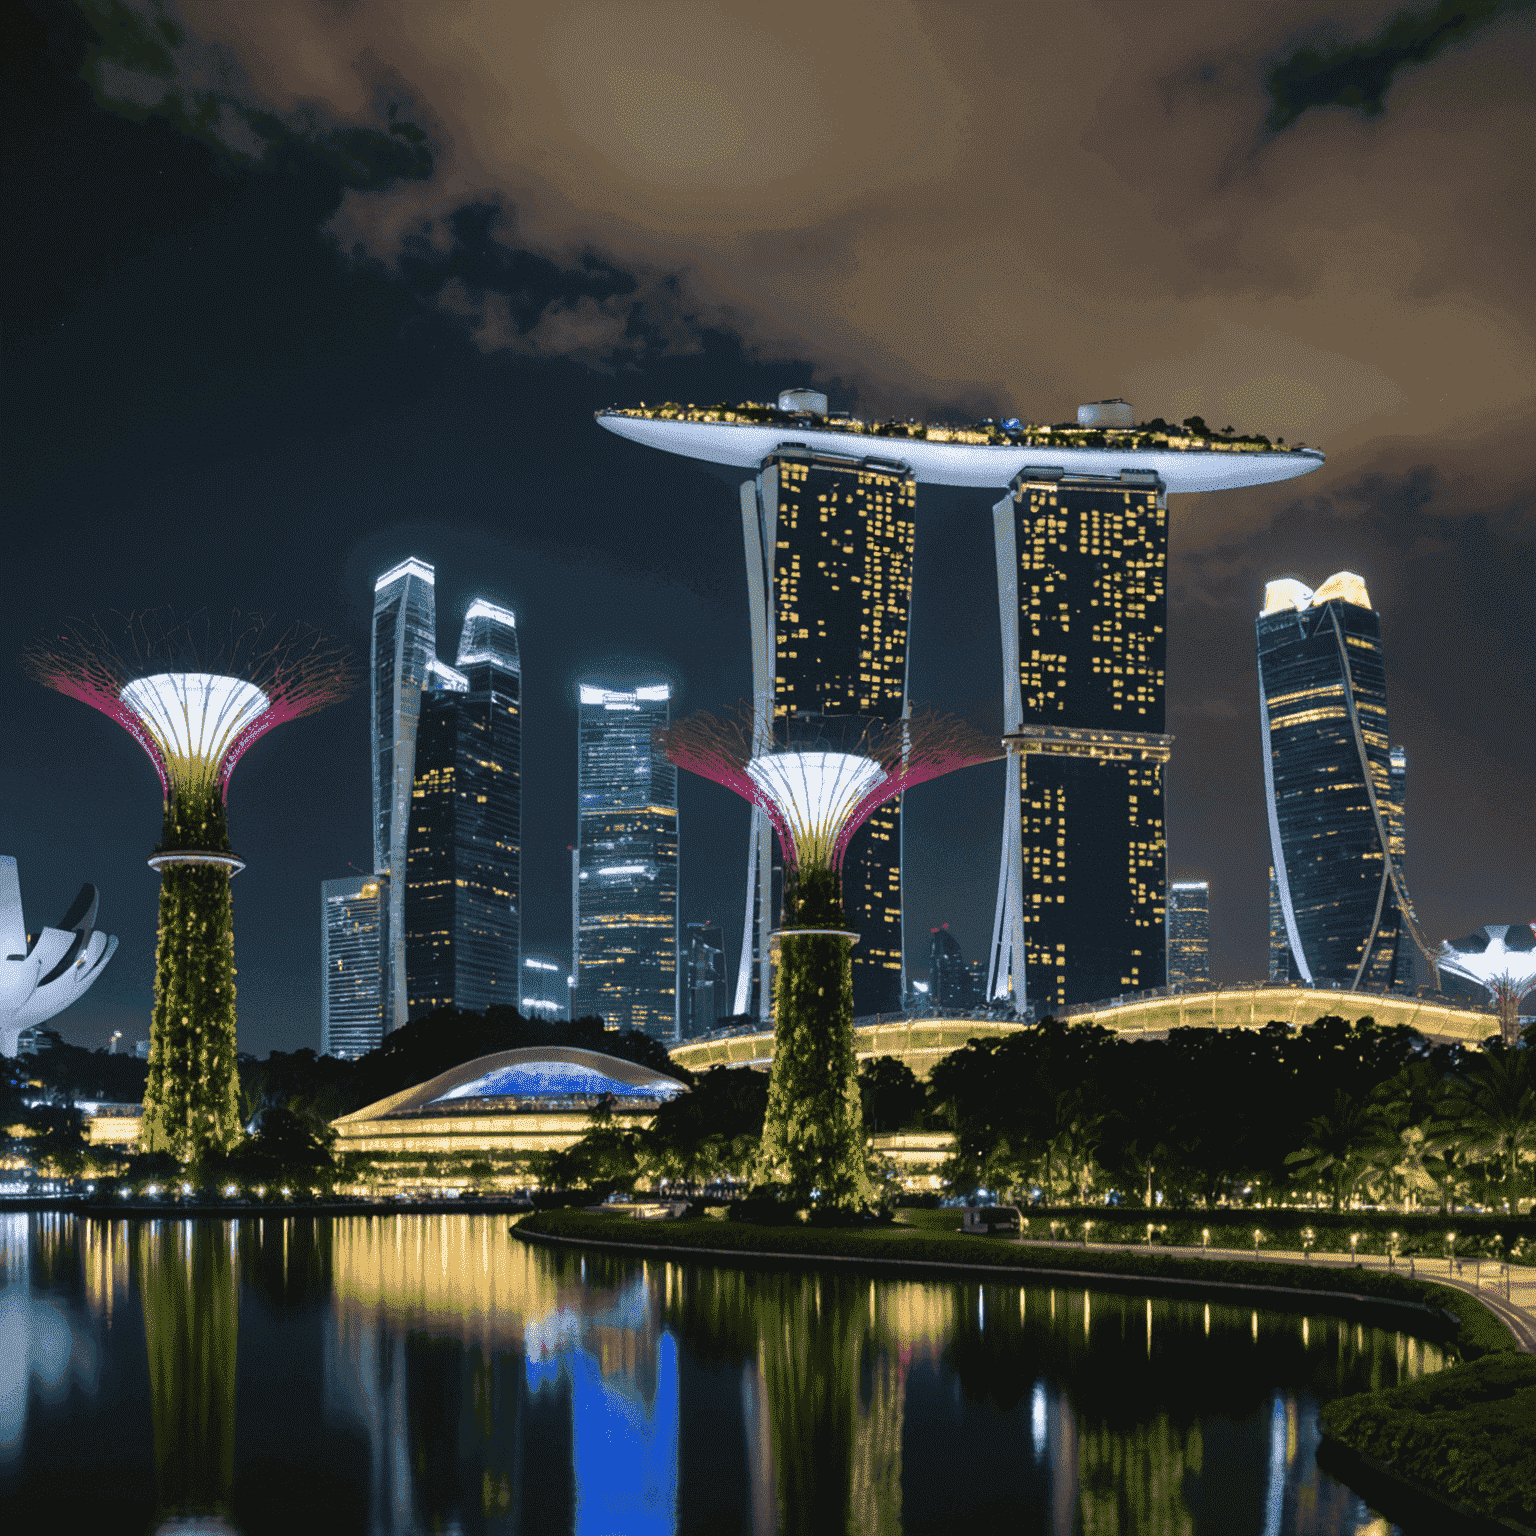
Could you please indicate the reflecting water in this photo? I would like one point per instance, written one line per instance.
(431, 1373)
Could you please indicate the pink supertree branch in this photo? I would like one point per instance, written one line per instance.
(909, 751)
(298, 671)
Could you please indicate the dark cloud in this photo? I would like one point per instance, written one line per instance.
(1359, 75)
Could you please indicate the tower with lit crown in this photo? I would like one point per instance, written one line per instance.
(1334, 822)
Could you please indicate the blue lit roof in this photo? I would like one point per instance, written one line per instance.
(511, 1082)
(555, 1080)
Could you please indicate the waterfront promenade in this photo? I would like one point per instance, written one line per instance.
(1509, 1290)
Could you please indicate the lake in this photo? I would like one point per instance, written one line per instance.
(402, 1373)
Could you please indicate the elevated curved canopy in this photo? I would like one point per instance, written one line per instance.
(194, 717)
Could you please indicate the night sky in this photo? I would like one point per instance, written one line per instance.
(297, 289)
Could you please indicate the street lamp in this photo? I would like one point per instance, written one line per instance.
(1308, 1237)
(1354, 1238)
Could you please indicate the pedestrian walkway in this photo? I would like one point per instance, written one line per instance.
(1508, 1290)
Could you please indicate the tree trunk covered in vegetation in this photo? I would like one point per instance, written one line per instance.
(192, 1098)
(813, 1133)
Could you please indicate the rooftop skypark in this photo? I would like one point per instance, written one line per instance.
(1188, 455)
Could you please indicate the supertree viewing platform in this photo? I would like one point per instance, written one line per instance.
(817, 778)
(195, 700)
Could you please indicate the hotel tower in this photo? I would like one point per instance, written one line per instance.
(829, 514)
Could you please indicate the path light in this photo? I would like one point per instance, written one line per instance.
(286, 1192)
(1354, 1238)
(1149, 1234)
(1205, 1238)
(230, 1191)
(1258, 1237)
(1087, 1228)
(1308, 1237)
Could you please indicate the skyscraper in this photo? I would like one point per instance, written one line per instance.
(1081, 565)
(1279, 944)
(462, 909)
(949, 979)
(403, 647)
(626, 861)
(829, 575)
(352, 917)
(1189, 932)
(546, 988)
(703, 978)
(1329, 783)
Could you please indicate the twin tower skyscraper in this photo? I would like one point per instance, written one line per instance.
(439, 921)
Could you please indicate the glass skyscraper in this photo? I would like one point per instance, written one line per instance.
(703, 978)
(626, 861)
(352, 916)
(1082, 567)
(1335, 819)
(546, 988)
(949, 978)
(403, 647)
(1279, 944)
(829, 545)
(1189, 932)
(463, 899)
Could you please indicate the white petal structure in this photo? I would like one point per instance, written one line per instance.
(815, 793)
(194, 717)
(1497, 952)
(43, 976)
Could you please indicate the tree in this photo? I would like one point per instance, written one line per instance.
(1338, 1146)
(1490, 1108)
(892, 1096)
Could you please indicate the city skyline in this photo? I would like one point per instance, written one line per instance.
(234, 381)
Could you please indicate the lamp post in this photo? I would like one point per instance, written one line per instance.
(1354, 1239)
(1308, 1237)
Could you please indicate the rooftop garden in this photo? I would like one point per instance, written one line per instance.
(1190, 435)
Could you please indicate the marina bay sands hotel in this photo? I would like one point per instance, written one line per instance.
(828, 508)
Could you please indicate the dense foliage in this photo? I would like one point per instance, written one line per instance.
(192, 1097)
(813, 1129)
(1465, 1433)
(1337, 1109)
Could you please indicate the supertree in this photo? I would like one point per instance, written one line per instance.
(1501, 958)
(818, 778)
(195, 697)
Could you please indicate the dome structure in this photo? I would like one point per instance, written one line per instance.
(535, 1080)
(43, 973)
(1500, 958)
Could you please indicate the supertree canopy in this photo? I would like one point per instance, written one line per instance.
(195, 698)
(818, 778)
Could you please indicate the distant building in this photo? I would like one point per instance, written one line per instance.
(949, 979)
(36, 1038)
(353, 965)
(141, 1049)
(704, 997)
(1189, 932)
(546, 988)
(404, 646)
(1279, 944)
(1335, 824)
(1082, 571)
(463, 901)
(626, 861)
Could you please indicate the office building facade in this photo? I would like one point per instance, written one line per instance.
(1279, 944)
(353, 918)
(949, 978)
(1082, 568)
(1330, 786)
(829, 544)
(463, 901)
(546, 988)
(702, 978)
(403, 647)
(1189, 932)
(625, 868)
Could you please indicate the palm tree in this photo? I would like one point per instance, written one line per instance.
(1340, 1146)
(1490, 1108)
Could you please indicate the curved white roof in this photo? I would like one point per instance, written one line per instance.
(744, 445)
